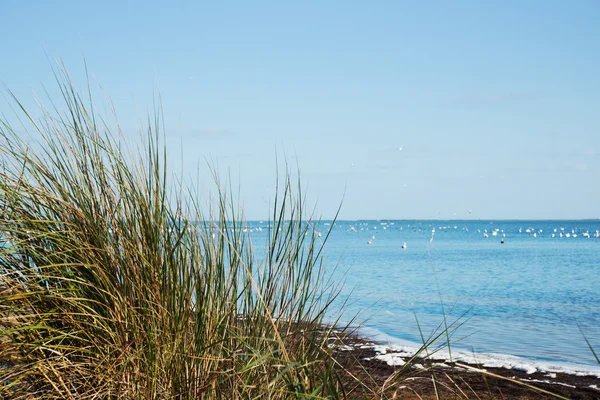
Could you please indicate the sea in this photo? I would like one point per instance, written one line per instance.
(516, 294)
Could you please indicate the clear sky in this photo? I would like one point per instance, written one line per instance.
(495, 104)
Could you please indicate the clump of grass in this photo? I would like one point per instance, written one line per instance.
(115, 284)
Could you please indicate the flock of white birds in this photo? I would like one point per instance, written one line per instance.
(559, 232)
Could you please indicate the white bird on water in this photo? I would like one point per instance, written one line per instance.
(404, 245)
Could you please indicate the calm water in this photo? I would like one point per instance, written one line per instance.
(527, 297)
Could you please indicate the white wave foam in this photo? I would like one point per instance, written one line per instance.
(397, 350)
(392, 359)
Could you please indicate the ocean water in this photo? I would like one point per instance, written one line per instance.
(527, 301)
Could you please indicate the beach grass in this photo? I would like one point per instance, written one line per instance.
(116, 284)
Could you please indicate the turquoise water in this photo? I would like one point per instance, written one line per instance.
(531, 296)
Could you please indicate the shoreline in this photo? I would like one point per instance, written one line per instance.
(392, 345)
(386, 368)
(386, 343)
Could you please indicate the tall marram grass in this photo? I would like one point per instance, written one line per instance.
(116, 284)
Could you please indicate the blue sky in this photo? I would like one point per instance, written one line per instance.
(496, 105)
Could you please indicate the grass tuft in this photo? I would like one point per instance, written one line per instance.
(115, 284)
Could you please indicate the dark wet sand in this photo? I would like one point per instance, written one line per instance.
(455, 381)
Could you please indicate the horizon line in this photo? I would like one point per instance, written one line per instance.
(449, 219)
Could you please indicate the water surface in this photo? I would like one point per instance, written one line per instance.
(531, 296)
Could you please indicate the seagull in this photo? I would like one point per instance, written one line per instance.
(404, 245)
